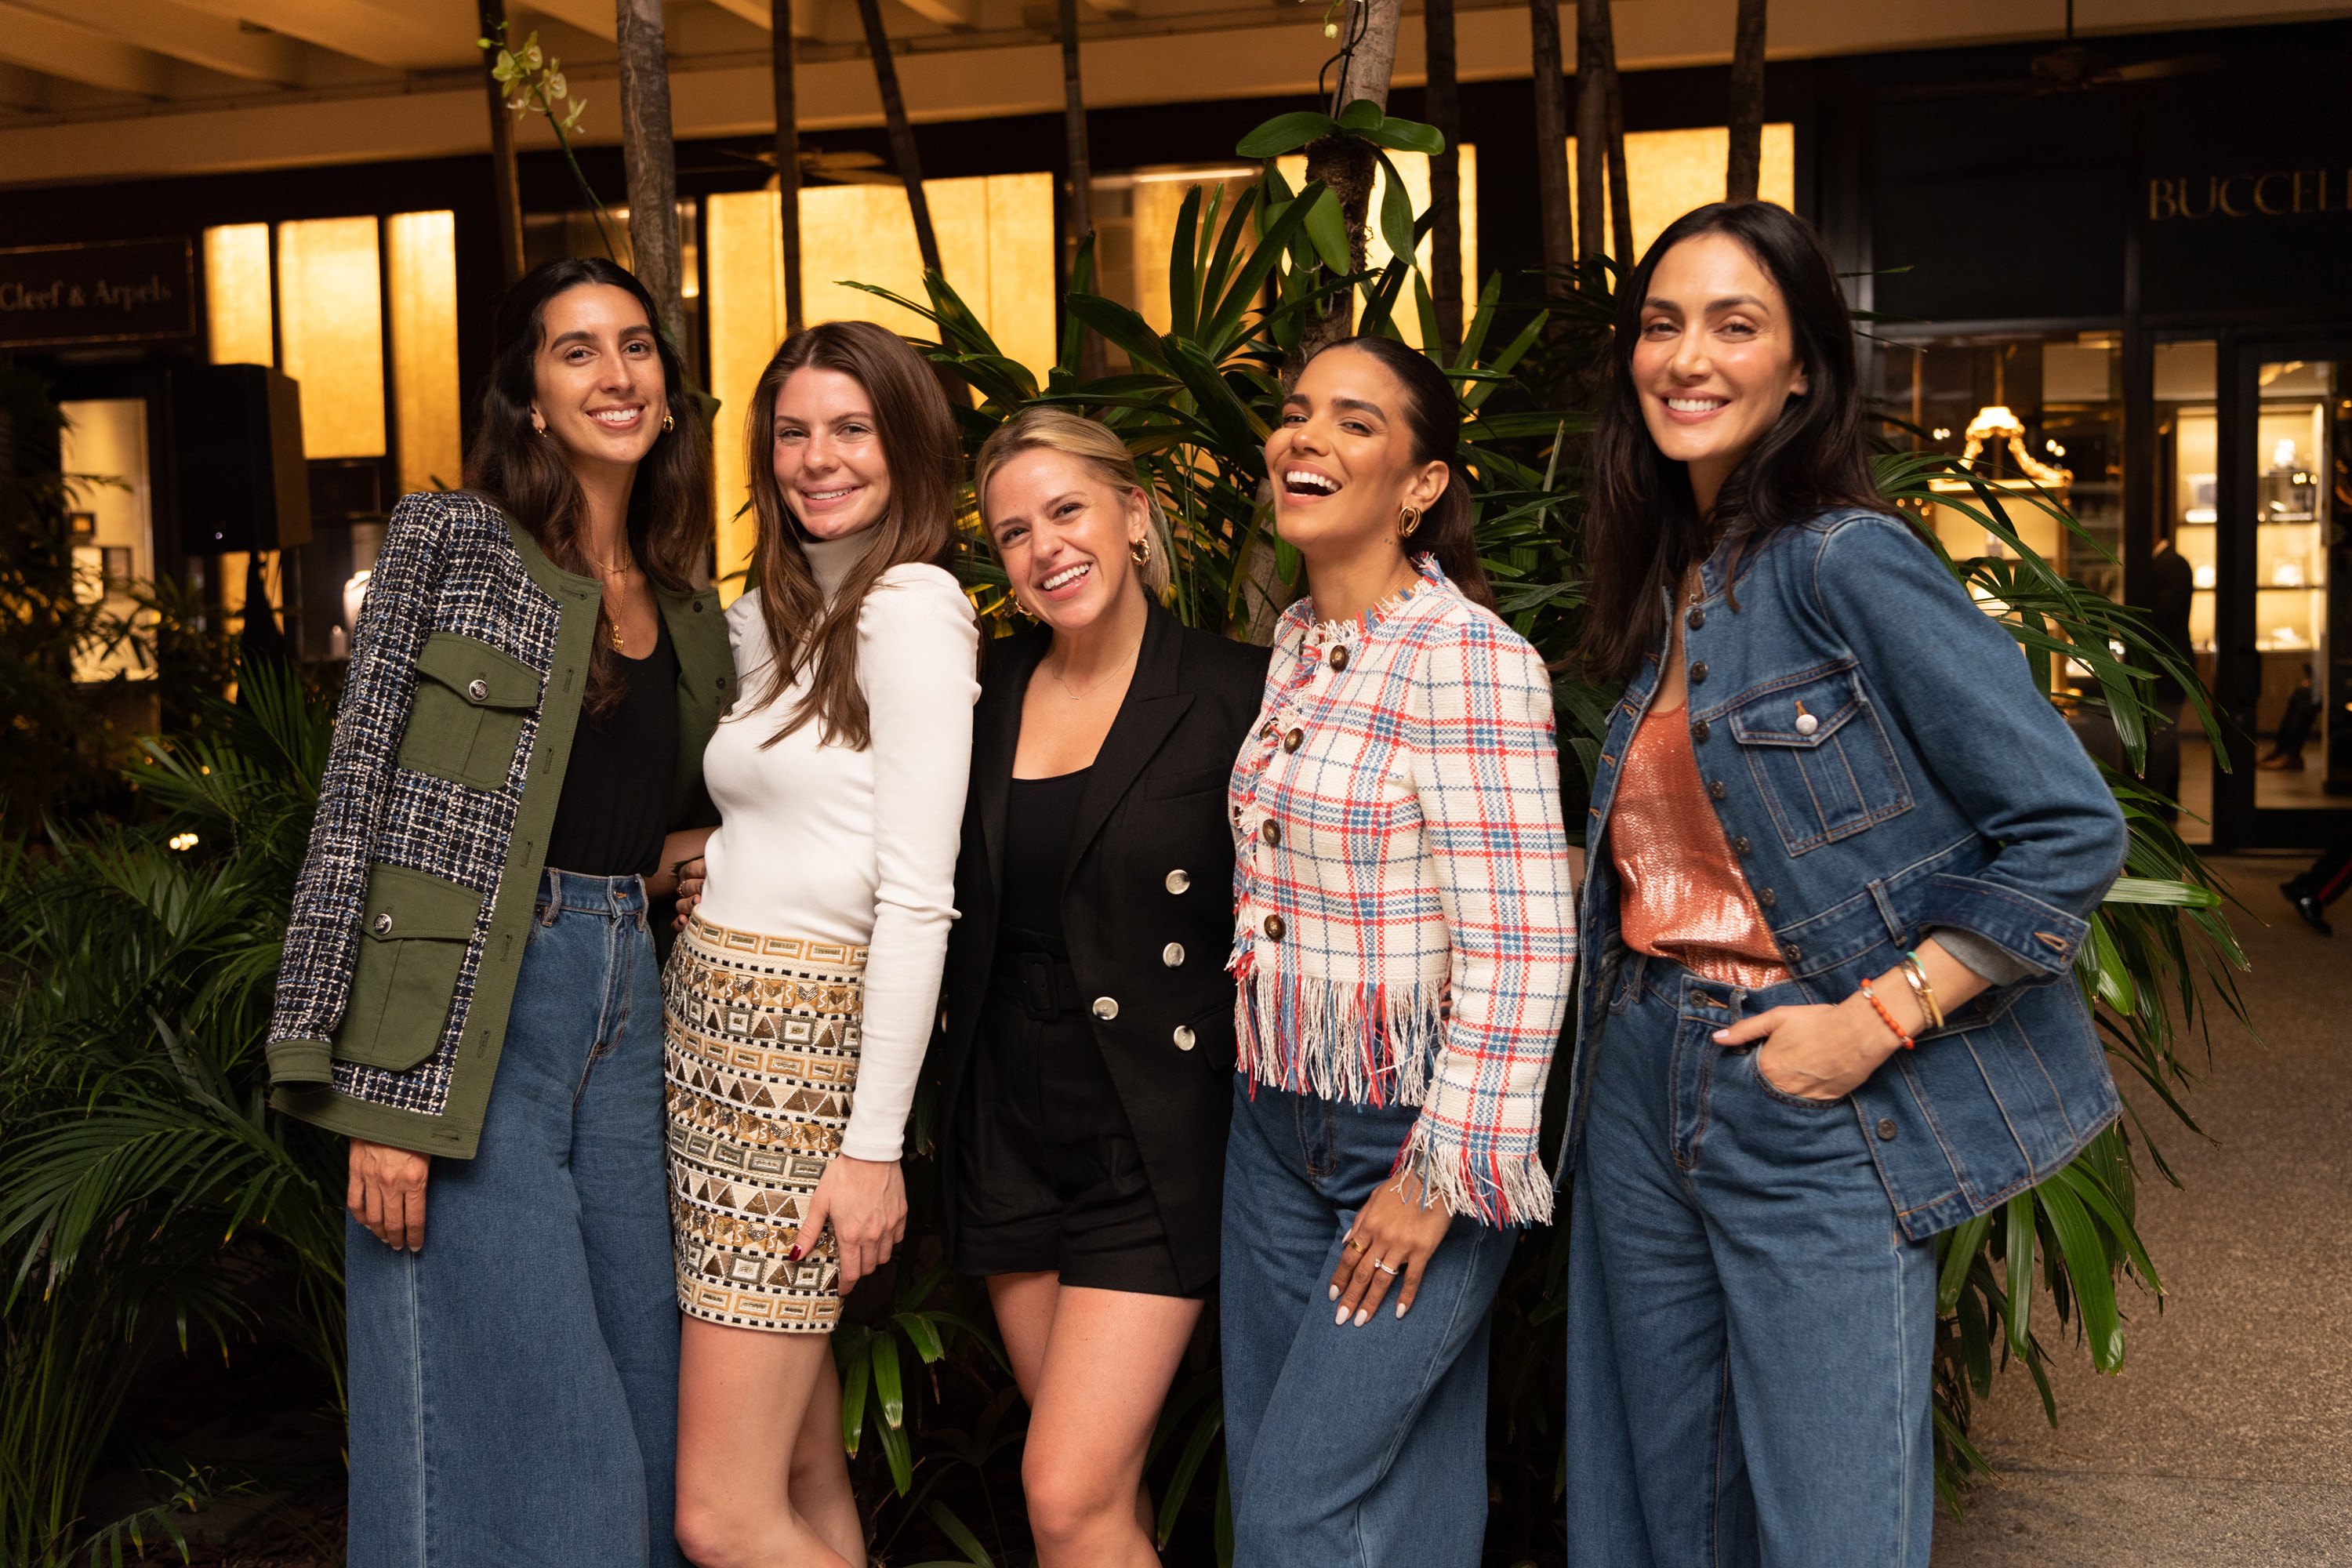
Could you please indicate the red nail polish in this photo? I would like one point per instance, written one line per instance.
(793, 1256)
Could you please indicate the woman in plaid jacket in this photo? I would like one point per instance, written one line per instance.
(1404, 932)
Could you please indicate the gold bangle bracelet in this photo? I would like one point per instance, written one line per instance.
(1915, 974)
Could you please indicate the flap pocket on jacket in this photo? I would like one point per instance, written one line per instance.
(1174, 782)
(467, 717)
(412, 941)
(1820, 759)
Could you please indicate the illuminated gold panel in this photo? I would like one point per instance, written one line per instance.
(421, 249)
(237, 293)
(747, 322)
(1669, 172)
(995, 234)
(1157, 200)
(330, 333)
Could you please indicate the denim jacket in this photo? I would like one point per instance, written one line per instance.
(1884, 765)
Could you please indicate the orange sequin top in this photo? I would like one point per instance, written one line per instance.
(1682, 895)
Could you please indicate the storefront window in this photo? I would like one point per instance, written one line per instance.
(421, 253)
(237, 294)
(104, 447)
(330, 333)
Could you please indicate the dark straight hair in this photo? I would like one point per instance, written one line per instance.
(1642, 531)
(1433, 416)
(525, 474)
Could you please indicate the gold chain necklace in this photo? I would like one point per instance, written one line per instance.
(607, 573)
(1075, 695)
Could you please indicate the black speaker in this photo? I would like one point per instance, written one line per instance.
(237, 439)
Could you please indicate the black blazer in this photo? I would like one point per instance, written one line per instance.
(1151, 872)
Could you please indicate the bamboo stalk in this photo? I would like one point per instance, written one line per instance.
(902, 133)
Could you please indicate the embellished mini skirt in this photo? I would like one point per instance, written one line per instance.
(760, 1064)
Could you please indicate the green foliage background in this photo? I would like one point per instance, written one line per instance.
(151, 1205)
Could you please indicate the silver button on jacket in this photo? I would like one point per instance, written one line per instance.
(1185, 1039)
(1172, 955)
(1179, 880)
(1106, 1008)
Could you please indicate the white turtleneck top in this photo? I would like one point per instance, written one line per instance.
(819, 841)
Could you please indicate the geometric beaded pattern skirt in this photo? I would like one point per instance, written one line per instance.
(761, 1062)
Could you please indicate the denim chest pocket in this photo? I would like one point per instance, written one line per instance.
(1820, 759)
(466, 719)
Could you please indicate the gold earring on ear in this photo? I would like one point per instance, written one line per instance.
(537, 423)
(1139, 551)
(669, 423)
(1409, 520)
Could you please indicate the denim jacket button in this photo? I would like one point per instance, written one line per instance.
(1886, 1130)
(1741, 845)
(1698, 672)
(1696, 618)
(1791, 951)
(1715, 790)
(1700, 732)
(1766, 897)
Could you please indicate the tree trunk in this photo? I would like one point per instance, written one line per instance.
(783, 62)
(506, 194)
(902, 133)
(1091, 362)
(1620, 199)
(650, 159)
(1552, 197)
(1345, 165)
(1444, 175)
(1746, 170)
(1593, 60)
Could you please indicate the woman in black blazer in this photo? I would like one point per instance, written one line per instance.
(1085, 1065)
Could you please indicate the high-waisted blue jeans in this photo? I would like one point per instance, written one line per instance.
(1749, 1335)
(1347, 1447)
(514, 1384)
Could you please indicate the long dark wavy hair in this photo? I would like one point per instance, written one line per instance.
(525, 474)
(1643, 531)
(1433, 417)
(926, 462)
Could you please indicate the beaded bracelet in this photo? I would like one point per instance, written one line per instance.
(1886, 1017)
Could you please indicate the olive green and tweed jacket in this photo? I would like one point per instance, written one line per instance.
(414, 903)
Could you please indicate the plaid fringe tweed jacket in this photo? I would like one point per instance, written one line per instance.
(1404, 916)
(413, 904)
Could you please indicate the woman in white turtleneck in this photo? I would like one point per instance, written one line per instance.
(802, 992)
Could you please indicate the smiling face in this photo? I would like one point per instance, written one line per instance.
(1063, 534)
(830, 465)
(598, 383)
(1717, 360)
(1342, 461)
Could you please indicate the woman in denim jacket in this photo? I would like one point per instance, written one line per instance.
(1842, 852)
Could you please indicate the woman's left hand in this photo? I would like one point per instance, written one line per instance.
(1394, 1238)
(866, 1202)
(1815, 1052)
(689, 891)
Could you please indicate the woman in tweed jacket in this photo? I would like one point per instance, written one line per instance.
(1404, 932)
(514, 769)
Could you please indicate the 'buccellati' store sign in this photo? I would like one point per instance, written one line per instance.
(2272, 192)
(107, 291)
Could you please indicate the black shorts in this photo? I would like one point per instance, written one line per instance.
(1047, 1175)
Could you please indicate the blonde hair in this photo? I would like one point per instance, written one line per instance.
(1092, 443)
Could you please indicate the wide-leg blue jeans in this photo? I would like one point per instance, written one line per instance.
(514, 1383)
(1345, 1447)
(1749, 1335)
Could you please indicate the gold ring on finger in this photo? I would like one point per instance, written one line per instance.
(1356, 1243)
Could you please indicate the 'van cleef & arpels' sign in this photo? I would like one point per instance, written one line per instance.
(107, 291)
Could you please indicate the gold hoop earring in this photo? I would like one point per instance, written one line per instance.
(539, 428)
(1139, 551)
(1407, 520)
(669, 423)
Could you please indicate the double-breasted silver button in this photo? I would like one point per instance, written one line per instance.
(1106, 1008)
(479, 690)
(1172, 955)
(1185, 1039)
(383, 925)
(1179, 880)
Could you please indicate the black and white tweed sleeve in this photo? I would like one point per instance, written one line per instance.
(315, 976)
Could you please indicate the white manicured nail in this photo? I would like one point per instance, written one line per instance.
(1400, 1309)
(1363, 1316)
(1340, 1319)
(1335, 1293)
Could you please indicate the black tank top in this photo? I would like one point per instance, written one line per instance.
(615, 809)
(1039, 818)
